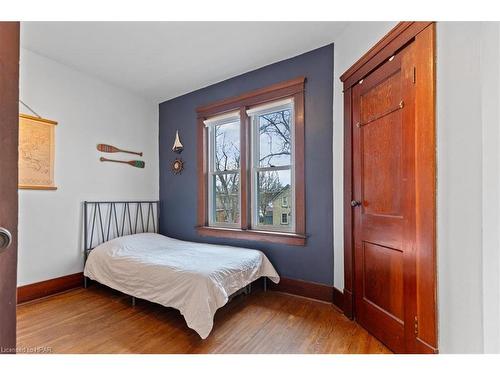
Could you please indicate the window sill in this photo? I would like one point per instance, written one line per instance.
(253, 235)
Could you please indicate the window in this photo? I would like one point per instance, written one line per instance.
(284, 201)
(251, 165)
(284, 219)
(224, 170)
(272, 159)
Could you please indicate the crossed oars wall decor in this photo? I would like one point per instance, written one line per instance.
(112, 149)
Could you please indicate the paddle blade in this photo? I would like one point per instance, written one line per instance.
(106, 148)
(137, 163)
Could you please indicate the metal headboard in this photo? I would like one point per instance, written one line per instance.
(104, 221)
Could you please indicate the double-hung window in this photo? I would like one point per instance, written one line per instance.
(251, 165)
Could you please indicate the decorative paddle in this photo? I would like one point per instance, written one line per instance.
(108, 148)
(133, 163)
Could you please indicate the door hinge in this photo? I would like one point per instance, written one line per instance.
(414, 75)
(416, 326)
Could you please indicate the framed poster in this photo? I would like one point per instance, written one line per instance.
(36, 153)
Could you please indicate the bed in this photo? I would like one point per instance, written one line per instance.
(194, 278)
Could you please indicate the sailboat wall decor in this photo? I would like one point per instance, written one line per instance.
(178, 147)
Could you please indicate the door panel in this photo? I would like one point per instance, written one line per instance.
(381, 163)
(383, 279)
(381, 98)
(383, 175)
(9, 107)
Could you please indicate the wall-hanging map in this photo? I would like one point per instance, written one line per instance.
(36, 153)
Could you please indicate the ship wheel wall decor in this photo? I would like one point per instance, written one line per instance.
(177, 166)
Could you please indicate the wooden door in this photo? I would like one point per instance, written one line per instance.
(384, 200)
(390, 169)
(9, 107)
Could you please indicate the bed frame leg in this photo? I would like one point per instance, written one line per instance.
(133, 301)
(247, 289)
(265, 284)
(85, 282)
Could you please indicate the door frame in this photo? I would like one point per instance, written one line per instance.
(423, 35)
(9, 121)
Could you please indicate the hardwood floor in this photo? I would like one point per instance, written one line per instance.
(99, 320)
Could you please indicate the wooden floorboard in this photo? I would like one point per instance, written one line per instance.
(99, 320)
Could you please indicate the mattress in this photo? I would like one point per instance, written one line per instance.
(194, 278)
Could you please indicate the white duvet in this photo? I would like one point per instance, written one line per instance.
(194, 278)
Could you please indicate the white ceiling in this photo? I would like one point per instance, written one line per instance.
(162, 60)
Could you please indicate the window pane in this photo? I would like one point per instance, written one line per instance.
(226, 198)
(227, 147)
(275, 138)
(273, 189)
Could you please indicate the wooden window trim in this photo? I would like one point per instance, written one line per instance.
(267, 94)
(293, 88)
(253, 235)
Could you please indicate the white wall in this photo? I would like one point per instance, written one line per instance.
(468, 181)
(468, 157)
(490, 95)
(88, 112)
(459, 203)
(355, 40)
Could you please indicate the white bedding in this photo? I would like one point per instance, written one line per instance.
(194, 278)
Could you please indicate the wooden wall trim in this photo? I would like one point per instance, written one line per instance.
(348, 236)
(322, 292)
(338, 298)
(394, 40)
(48, 287)
(425, 181)
(202, 211)
(272, 92)
(245, 157)
(253, 235)
(301, 288)
(300, 161)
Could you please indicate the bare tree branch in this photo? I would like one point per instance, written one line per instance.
(276, 127)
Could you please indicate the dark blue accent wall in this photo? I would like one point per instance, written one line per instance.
(178, 193)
